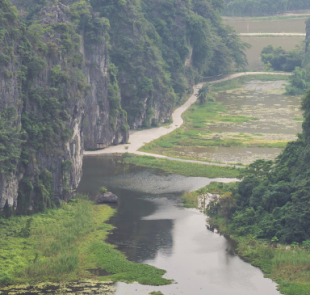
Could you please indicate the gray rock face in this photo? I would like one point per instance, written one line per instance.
(107, 197)
(88, 112)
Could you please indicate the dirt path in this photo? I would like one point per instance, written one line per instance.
(271, 34)
(139, 138)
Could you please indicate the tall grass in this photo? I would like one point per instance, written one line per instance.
(240, 81)
(182, 168)
(62, 244)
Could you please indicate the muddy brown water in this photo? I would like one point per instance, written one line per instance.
(152, 227)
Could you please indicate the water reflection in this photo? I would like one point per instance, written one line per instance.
(153, 227)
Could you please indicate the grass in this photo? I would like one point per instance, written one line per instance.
(289, 267)
(62, 244)
(299, 119)
(190, 199)
(182, 168)
(194, 132)
(240, 81)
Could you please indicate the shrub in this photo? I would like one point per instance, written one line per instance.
(103, 189)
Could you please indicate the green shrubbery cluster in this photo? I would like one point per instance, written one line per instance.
(272, 199)
(46, 109)
(280, 60)
(296, 61)
(151, 41)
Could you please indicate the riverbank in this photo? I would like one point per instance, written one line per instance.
(65, 245)
(246, 121)
(182, 168)
(272, 34)
(140, 138)
(288, 265)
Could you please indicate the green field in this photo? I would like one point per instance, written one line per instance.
(60, 245)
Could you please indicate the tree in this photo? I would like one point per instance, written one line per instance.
(202, 94)
(10, 140)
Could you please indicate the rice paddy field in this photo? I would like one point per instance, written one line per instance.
(241, 125)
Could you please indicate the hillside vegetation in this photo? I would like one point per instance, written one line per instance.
(78, 74)
(271, 206)
(263, 7)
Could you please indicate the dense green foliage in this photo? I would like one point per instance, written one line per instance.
(47, 62)
(299, 82)
(263, 7)
(280, 60)
(296, 61)
(10, 141)
(272, 201)
(62, 244)
(203, 94)
(155, 51)
(151, 43)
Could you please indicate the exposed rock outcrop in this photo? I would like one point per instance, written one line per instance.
(68, 90)
(107, 197)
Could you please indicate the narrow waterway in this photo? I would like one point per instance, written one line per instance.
(152, 227)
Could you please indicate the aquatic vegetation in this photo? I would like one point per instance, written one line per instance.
(182, 168)
(256, 116)
(63, 244)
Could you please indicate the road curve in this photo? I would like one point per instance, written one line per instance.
(140, 138)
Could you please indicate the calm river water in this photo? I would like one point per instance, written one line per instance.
(152, 227)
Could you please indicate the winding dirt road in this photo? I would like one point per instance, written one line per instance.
(140, 138)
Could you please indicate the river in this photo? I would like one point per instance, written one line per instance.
(152, 227)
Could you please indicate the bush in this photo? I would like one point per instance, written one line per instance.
(299, 82)
(103, 189)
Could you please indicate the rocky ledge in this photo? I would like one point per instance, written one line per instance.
(107, 197)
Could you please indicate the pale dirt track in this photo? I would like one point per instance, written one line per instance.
(140, 138)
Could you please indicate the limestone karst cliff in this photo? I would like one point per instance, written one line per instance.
(78, 74)
(56, 80)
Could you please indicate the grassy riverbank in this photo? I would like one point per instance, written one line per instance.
(288, 265)
(240, 81)
(182, 168)
(216, 124)
(61, 244)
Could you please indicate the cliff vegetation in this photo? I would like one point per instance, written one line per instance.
(271, 206)
(78, 74)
